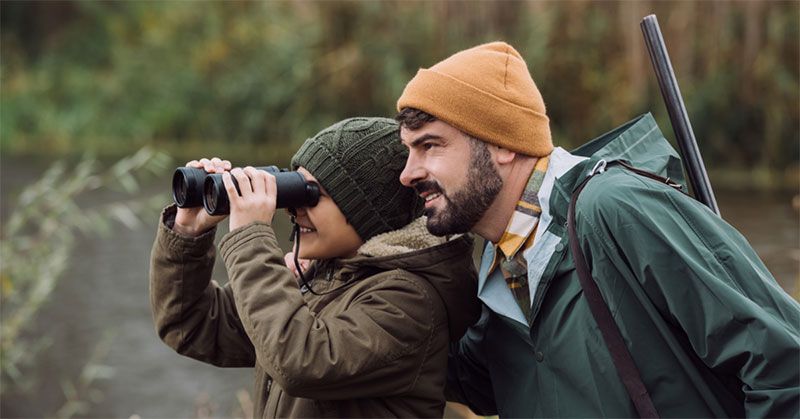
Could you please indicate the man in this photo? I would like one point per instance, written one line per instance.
(711, 332)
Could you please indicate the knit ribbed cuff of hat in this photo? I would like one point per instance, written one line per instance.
(478, 113)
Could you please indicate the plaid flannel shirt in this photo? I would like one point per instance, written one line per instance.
(518, 236)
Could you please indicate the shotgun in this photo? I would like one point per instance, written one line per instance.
(687, 144)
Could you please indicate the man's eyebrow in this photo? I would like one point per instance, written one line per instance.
(424, 138)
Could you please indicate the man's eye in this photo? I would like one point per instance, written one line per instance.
(428, 146)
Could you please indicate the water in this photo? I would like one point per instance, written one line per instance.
(105, 294)
(102, 296)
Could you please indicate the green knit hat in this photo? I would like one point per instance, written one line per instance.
(358, 161)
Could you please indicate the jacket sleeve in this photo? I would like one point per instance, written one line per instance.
(468, 380)
(375, 347)
(194, 315)
(704, 277)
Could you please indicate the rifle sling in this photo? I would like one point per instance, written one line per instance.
(620, 355)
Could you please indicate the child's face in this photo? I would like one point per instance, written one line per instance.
(324, 231)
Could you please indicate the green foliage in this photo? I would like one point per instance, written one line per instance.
(82, 393)
(37, 242)
(253, 79)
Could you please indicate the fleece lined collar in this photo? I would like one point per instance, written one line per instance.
(412, 237)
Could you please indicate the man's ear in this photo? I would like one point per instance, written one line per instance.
(503, 155)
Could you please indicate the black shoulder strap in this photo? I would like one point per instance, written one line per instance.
(621, 356)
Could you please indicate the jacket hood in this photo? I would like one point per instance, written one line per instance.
(638, 142)
(446, 263)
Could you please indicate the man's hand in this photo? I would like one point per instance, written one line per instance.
(196, 221)
(258, 196)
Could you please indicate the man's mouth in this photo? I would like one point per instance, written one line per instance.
(430, 197)
(429, 191)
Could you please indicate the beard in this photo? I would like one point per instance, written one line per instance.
(466, 206)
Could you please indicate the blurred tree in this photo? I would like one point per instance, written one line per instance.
(253, 79)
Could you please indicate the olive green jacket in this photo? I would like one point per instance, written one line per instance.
(709, 328)
(375, 346)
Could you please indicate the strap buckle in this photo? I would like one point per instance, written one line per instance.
(600, 167)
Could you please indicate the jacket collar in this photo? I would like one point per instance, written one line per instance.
(412, 252)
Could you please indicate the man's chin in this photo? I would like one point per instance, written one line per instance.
(430, 213)
(444, 221)
(439, 227)
(436, 228)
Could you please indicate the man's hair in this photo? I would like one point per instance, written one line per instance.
(413, 119)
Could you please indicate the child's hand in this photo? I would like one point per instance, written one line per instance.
(258, 196)
(196, 221)
(289, 260)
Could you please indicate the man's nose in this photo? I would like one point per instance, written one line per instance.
(412, 172)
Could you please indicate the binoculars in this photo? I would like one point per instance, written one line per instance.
(193, 187)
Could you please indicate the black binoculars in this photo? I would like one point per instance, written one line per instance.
(193, 187)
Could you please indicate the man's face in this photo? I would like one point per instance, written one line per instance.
(453, 173)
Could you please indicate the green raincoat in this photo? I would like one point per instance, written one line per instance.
(707, 325)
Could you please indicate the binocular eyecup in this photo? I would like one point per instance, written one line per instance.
(193, 187)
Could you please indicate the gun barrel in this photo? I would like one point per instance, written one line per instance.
(693, 161)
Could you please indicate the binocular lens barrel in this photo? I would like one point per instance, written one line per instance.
(187, 187)
(293, 191)
(192, 187)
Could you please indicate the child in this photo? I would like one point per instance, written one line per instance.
(368, 332)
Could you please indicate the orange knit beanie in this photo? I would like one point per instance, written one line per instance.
(488, 93)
